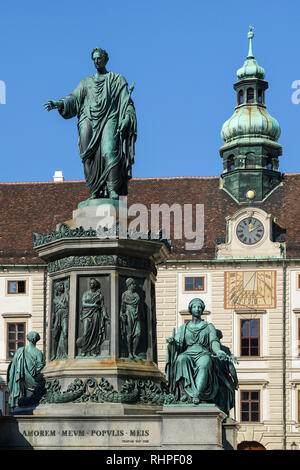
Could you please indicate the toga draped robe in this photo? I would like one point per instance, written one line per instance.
(101, 102)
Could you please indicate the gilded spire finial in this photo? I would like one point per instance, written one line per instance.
(250, 37)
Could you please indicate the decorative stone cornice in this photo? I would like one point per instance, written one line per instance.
(16, 315)
(115, 232)
(101, 260)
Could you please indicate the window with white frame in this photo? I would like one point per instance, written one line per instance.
(194, 283)
(250, 406)
(16, 287)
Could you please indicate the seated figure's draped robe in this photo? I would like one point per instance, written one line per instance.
(101, 103)
(191, 352)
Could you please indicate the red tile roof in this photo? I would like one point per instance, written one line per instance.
(39, 207)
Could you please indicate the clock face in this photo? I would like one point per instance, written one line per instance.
(250, 230)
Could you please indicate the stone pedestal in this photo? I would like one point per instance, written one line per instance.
(83, 426)
(99, 213)
(229, 434)
(116, 341)
(192, 427)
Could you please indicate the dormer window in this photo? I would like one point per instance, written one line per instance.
(241, 97)
(250, 95)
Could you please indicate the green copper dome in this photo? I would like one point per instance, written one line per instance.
(250, 152)
(250, 121)
(251, 118)
(250, 69)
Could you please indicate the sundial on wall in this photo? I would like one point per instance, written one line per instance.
(250, 289)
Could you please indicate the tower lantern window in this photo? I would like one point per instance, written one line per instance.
(241, 97)
(230, 163)
(269, 164)
(250, 95)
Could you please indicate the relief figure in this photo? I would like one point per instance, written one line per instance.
(130, 320)
(94, 319)
(59, 323)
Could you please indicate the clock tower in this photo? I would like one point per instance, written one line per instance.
(250, 151)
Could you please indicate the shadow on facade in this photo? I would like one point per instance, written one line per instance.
(10, 436)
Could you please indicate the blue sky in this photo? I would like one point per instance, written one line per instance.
(183, 58)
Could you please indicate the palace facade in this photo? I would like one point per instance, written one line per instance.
(246, 268)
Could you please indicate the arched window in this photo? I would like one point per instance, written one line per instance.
(269, 164)
(250, 445)
(260, 95)
(250, 95)
(241, 97)
(230, 163)
(250, 160)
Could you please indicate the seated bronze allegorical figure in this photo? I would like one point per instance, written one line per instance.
(194, 365)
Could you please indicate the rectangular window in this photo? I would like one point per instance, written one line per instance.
(298, 406)
(250, 337)
(194, 283)
(298, 283)
(250, 404)
(16, 287)
(298, 336)
(15, 338)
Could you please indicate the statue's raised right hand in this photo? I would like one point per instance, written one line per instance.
(50, 105)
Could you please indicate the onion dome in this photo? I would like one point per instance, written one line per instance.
(250, 69)
(250, 152)
(250, 121)
(251, 118)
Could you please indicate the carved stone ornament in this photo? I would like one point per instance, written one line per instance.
(64, 231)
(101, 260)
(116, 231)
(91, 390)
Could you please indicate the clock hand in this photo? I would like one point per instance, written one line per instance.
(254, 228)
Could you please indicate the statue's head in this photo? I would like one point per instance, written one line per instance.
(100, 57)
(94, 284)
(33, 337)
(130, 283)
(196, 306)
(60, 287)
